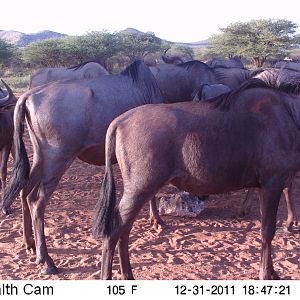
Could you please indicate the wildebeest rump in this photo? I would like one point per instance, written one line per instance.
(246, 138)
(67, 120)
(86, 70)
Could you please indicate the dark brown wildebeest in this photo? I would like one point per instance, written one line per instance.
(171, 59)
(246, 138)
(6, 131)
(210, 91)
(181, 82)
(233, 77)
(273, 77)
(67, 120)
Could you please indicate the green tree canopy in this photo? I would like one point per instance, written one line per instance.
(6, 51)
(258, 39)
(139, 45)
(46, 53)
(99, 46)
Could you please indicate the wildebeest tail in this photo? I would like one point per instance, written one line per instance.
(21, 167)
(106, 215)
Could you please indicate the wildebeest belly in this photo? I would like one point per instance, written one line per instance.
(219, 183)
(94, 155)
(214, 164)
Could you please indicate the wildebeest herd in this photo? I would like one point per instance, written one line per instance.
(206, 128)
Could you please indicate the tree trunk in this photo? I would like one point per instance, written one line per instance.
(258, 61)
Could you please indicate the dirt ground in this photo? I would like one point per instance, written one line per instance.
(216, 245)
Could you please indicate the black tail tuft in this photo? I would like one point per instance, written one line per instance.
(106, 216)
(21, 167)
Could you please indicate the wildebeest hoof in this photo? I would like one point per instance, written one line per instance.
(30, 250)
(269, 276)
(50, 271)
(7, 211)
(160, 226)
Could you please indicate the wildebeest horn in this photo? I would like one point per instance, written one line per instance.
(10, 94)
(165, 52)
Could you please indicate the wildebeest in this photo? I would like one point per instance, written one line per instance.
(67, 120)
(181, 82)
(246, 138)
(86, 70)
(290, 65)
(234, 62)
(171, 59)
(210, 91)
(274, 77)
(233, 77)
(6, 131)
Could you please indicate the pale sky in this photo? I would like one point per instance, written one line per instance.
(178, 21)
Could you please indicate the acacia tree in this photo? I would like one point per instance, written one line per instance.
(138, 45)
(46, 53)
(258, 39)
(71, 50)
(6, 51)
(98, 46)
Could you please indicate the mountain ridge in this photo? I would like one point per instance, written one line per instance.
(21, 39)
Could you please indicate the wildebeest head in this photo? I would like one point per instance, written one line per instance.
(210, 91)
(7, 98)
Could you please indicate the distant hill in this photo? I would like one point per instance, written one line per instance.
(20, 39)
(132, 30)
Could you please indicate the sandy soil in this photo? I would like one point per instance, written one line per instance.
(216, 245)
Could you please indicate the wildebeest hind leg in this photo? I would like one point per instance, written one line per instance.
(31, 188)
(129, 208)
(268, 206)
(53, 169)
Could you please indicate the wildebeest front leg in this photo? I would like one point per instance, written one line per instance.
(290, 203)
(245, 204)
(155, 218)
(268, 206)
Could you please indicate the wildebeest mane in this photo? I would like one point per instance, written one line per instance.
(272, 81)
(142, 77)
